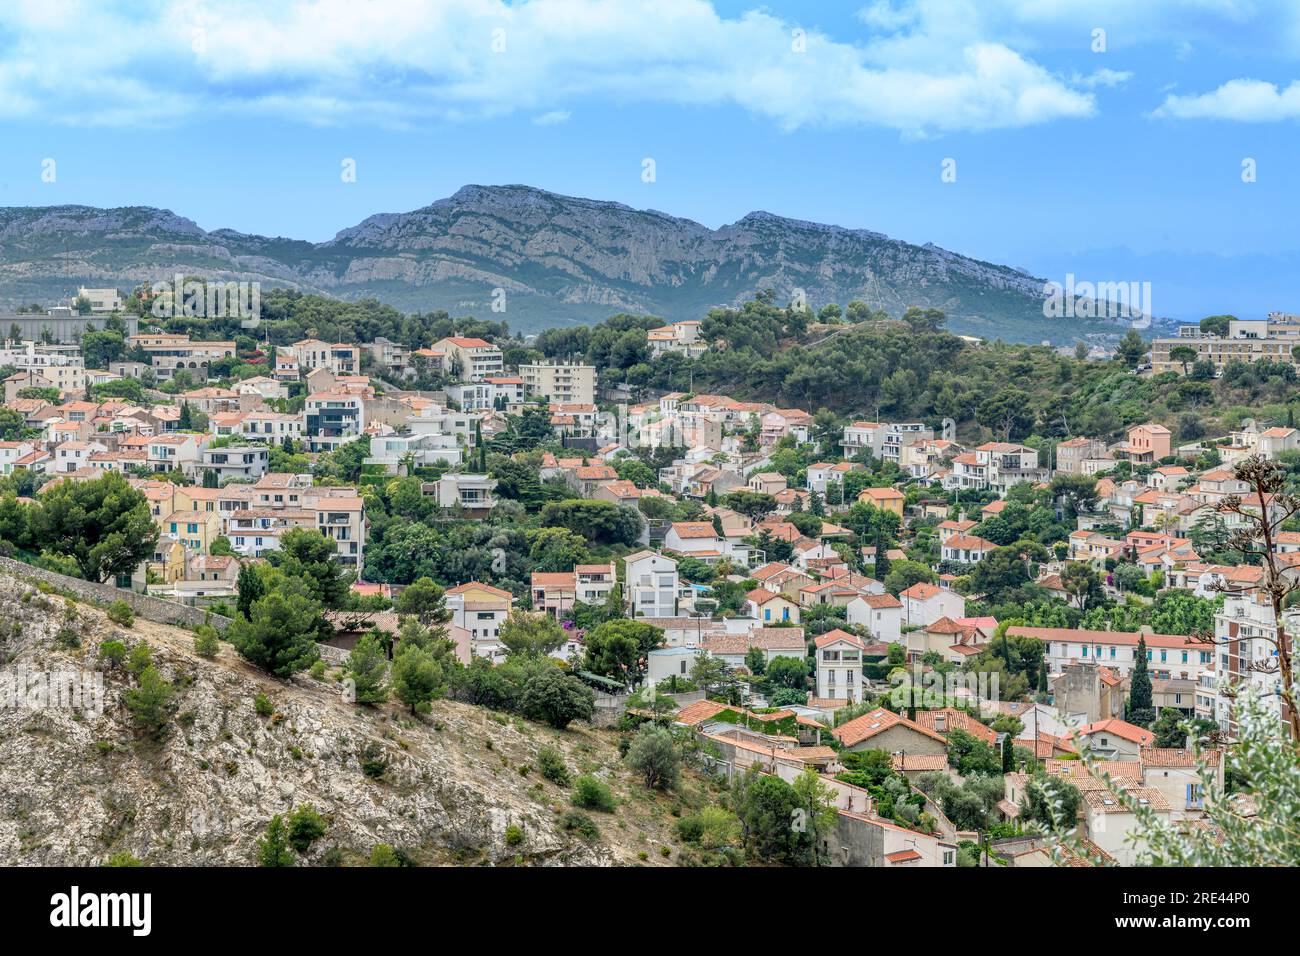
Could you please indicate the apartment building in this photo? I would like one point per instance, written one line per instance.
(338, 358)
(170, 353)
(560, 382)
(391, 356)
(59, 365)
(1168, 655)
(650, 585)
(241, 462)
(470, 359)
(340, 516)
(1244, 653)
(331, 419)
(1248, 340)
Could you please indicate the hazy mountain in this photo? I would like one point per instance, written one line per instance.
(559, 259)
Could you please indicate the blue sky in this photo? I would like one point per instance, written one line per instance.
(1122, 164)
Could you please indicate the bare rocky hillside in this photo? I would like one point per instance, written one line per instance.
(76, 787)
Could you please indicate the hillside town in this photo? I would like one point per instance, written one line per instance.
(967, 650)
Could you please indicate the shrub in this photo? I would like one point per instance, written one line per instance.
(139, 659)
(590, 794)
(67, 638)
(551, 765)
(373, 761)
(206, 643)
(575, 821)
(120, 613)
(112, 653)
(305, 827)
(383, 855)
(514, 835)
(123, 858)
(273, 848)
(262, 704)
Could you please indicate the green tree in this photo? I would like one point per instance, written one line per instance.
(531, 635)
(766, 806)
(426, 601)
(104, 525)
(366, 666)
(250, 589)
(308, 555)
(275, 636)
(150, 703)
(653, 755)
(417, 677)
(306, 826)
(1140, 707)
(620, 649)
(273, 848)
(788, 672)
(554, 697)
(1051, 802)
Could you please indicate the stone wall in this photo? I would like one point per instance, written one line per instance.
(150, 608)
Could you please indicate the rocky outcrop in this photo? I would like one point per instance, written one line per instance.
(78, 784)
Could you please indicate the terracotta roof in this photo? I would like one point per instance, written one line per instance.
(1119, 728)
(875, 722)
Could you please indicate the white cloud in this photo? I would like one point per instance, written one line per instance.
(553, 118)
(1104, 77)
(396, 62)
(1243, 100)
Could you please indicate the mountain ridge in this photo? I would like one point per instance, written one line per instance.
(559, 259)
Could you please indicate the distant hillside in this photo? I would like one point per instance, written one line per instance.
(561, 260)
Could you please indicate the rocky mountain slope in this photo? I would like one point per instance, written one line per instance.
(76, 787)
(560, 260)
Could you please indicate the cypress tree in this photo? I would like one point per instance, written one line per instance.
(1139, 698)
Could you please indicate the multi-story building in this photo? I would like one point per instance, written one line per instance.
(1071, 455)
(1245, 633)
(650, 585)
(1168, 655)
(101, 300)
(681, 337)
(340, 516)
(60, 365)
(331, 419)
(338, 358)
(389, 355)
(481, 609)
(996, 465)
(245, 463)
(470, 359)
(170, 353)
(469, 493)
(560, 383)
(1248, 340)
(839, 666)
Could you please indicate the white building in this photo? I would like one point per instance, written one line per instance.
(650, 580)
